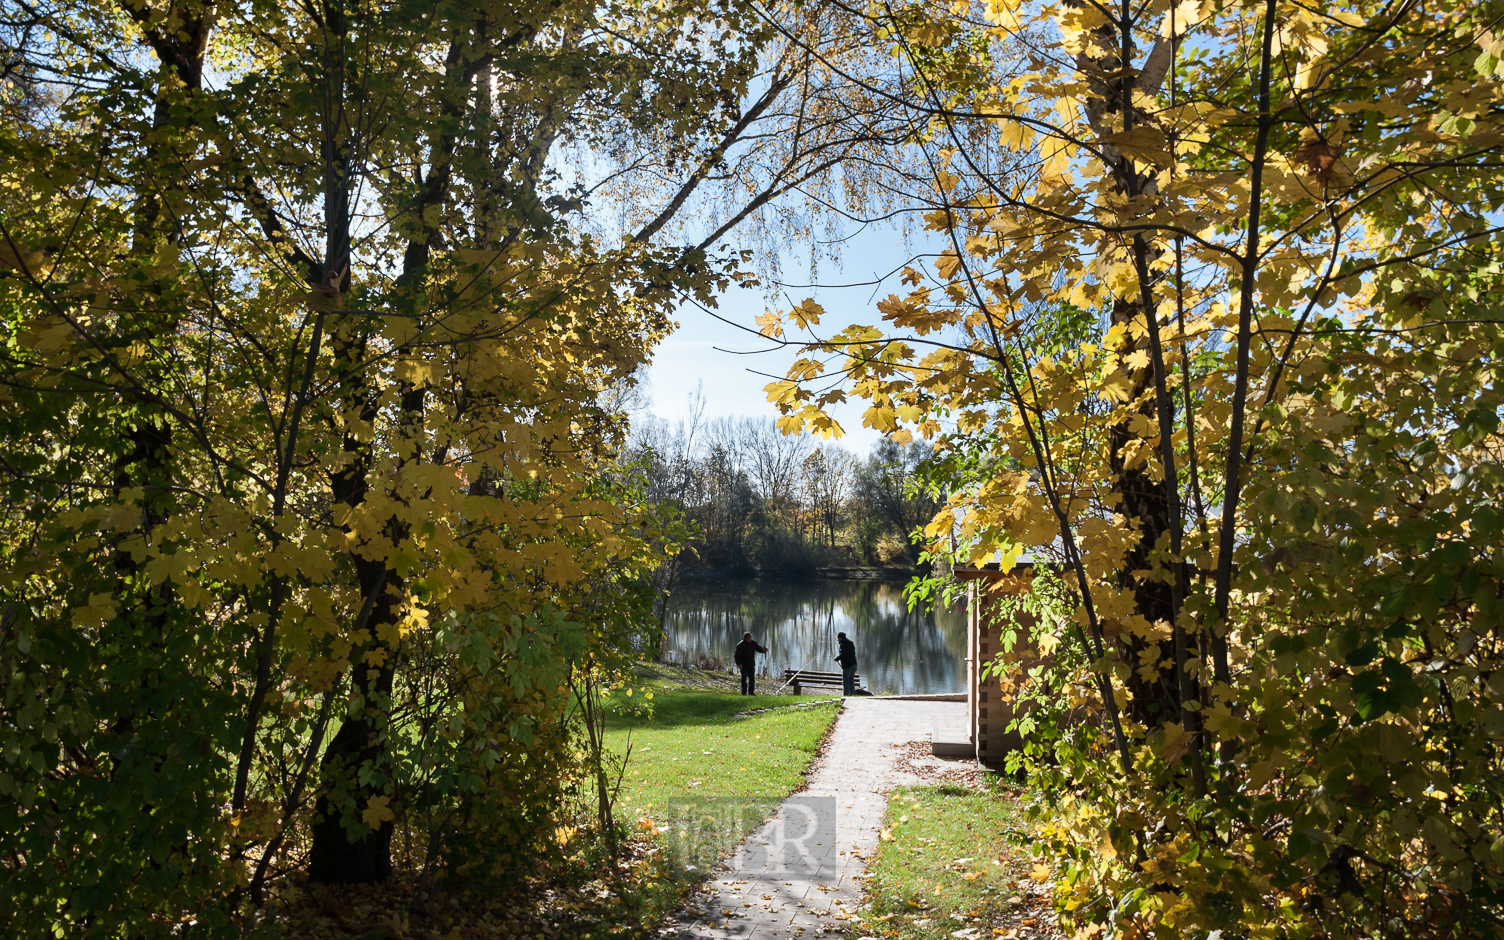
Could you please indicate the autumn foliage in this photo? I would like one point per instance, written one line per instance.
(309, 535)
(1214, 340)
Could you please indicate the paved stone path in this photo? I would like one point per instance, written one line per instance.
(791, 879)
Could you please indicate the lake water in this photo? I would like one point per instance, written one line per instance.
(898, 651)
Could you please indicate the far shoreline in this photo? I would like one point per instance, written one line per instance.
(887, 575)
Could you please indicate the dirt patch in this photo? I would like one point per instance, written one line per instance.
(915, 758)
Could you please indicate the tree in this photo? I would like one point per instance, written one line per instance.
(722, 506)
(891, 486)
(827, 475)
(772, 460)
(661, 461)
(1213, 330)
(307, 320)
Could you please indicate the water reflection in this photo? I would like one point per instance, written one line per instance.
(898, 652)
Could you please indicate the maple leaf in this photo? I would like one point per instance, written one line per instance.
(377, 811)
(807, 314)
(1177, 742)
(99, 609)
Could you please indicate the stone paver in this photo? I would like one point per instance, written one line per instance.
(786, 882)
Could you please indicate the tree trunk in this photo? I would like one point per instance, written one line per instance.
(1145, 507)
(1144, 502)
(335, 857)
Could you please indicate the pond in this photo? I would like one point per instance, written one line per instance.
(899, 652)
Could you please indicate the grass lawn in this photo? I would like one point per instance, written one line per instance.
(944, 869)
(697, 780)
(703, 777)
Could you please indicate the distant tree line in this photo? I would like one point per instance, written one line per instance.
(761, 502)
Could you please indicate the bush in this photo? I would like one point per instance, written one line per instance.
(893, 550)
(866, 533)
(779, 553)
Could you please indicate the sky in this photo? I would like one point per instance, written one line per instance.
(731, 364)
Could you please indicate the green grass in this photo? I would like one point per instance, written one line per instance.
(698, 779)
(944, 865)
(670, 676)
(692, 751)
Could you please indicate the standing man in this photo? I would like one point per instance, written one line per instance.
(847, 659)
(746, 661)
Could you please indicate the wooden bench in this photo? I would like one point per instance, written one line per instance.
(799, 678)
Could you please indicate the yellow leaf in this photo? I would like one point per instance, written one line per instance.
(1016, 135)
(33, 263)
(1105, 848)
(880, 419)
(1145, 144)
(930, 34)
(377, 811)
(1177, 742)
(1004, 13)
(806, 314)
(416, 372)
(1185, 15)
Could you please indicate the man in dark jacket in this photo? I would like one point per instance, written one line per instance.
(746, 661)
(847, 658)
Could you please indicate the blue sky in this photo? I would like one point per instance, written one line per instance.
(704, 351)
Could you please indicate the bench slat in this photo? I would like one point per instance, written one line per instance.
(800, 677)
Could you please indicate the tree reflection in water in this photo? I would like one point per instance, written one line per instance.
(898, 651)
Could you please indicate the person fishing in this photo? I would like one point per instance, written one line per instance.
(746, 661)
(847, 658)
